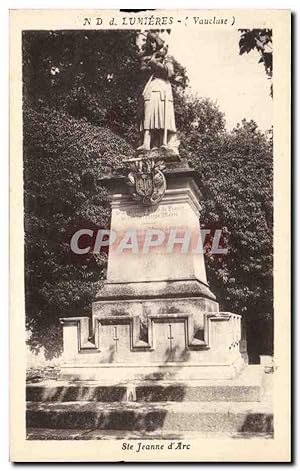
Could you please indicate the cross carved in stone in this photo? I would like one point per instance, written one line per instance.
(170, 338)
(116, 338)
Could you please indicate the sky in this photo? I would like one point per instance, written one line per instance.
(215, 69)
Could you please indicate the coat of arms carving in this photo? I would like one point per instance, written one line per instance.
(148, 181)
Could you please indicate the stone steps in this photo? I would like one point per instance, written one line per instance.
(247, 387)
(243, 417)
(61, 410)
(151, 392)
(95, 434)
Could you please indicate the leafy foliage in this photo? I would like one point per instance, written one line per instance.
(236, 181)
(81, 112)
(261, 41)
(235, 176)
(88, 74)
(64, 160)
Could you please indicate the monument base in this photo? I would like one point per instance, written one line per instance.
(150, 372)
(166, 346)
(155, 317)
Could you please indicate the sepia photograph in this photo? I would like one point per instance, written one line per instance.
(147, 160)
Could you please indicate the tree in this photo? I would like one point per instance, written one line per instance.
(261, 41)
(236, 176)
(88, 74)
(64, 160)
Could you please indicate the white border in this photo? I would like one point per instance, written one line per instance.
(293, 5)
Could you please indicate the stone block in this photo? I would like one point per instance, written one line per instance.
(179, 210)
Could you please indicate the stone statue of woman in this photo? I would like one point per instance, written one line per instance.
(158, 123)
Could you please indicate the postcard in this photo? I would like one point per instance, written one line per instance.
(150, 235)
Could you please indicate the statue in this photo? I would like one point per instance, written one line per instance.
(158, 122)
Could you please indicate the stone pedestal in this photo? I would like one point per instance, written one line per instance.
(155, 317)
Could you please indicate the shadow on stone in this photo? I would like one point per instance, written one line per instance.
(89, 418)
(258, 423)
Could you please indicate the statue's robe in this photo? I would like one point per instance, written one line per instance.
(157, 91)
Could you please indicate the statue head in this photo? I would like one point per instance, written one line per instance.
(150, 42)
(154, 42)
